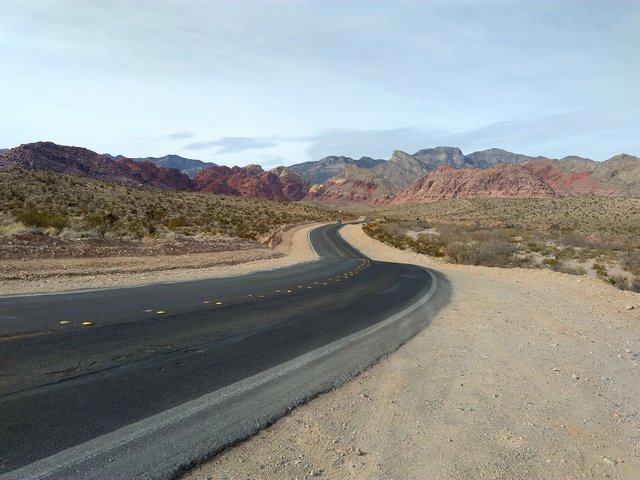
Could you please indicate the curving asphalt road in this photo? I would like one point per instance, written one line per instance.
(163, 376)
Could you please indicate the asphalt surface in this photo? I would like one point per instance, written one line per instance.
(144, 382)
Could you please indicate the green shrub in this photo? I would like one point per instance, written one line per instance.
(40, 218)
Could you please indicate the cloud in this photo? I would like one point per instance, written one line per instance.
(232, 144)
(177, 136)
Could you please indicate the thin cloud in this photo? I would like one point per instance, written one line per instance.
(177, 136)
(231, 144)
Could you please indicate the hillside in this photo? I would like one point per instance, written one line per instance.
(82, 162)
(72, 206)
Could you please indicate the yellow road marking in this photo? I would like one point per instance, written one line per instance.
(161, 312)
(218, 302)
(87, 323)
(207, 302)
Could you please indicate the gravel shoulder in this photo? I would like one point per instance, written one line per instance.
(53, 266)
(525, 374)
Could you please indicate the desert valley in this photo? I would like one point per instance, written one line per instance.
(530, 371)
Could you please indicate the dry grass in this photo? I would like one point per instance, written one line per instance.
(68, 206)
(599, 236)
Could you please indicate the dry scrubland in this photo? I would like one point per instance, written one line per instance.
(72, 207)
(599, 236)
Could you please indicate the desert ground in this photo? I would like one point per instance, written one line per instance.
(76, 265)
(526, 374)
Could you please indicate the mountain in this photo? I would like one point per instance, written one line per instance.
(401, 170)
(86, 163)
(185, 165)
(432, 158)
(252, 181)
(499, 181)
(496, 156)
(620, 175)
(353, 184)
(320, 170)
(568, 178)
(294, 185)
(622, 172)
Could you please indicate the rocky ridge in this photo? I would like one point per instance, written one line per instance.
(343, 180)
(353, 184)
(187, 166)
(319, 171)
(500, 181)
(251, 180)
(86, 163)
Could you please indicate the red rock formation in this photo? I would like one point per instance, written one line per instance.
(353, 184)
(85, 163)
(567, 183)
(294, 185)
(500, 181)
(251, 181)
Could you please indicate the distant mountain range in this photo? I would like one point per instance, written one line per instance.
(427, 175)
(187, 166)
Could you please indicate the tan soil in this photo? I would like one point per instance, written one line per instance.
(524, 375)
(43, 265)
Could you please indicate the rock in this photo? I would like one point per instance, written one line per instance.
(86, 163)
(630, 307)
(501, 181)
(280, 184)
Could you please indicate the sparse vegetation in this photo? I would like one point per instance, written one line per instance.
(599, 236)
(69, 206)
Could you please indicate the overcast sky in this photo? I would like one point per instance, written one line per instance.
(285, 81)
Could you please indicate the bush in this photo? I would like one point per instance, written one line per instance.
(624, 283)
(35, 217)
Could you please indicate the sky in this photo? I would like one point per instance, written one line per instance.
(278, 82)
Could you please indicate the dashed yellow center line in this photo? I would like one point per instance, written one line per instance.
(87, 323)
(218, 302)
(161, 312)
(65, 322)
(207, 302)
(148, 310)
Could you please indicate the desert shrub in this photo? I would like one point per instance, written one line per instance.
(631, 262)
(102, 222)
(40, 218)
(551, 262)
(483, 252)
(429, 245)
(600, 269)
(570, 270)
(625, 283)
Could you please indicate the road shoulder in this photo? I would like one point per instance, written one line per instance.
(28, 276)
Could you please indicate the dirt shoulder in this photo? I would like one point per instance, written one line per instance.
(50, 265)
(525, 374)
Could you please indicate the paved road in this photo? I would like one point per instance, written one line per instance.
(165, 375)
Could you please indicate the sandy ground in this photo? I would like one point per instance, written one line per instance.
(64, 274)
(524, 375)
